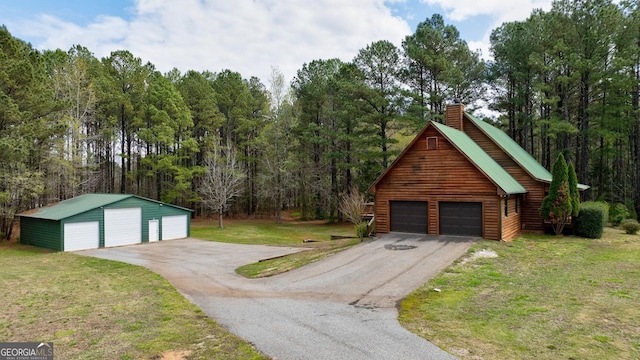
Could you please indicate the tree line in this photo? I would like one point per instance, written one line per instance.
(566, 80)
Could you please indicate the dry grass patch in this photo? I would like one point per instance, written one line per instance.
(99, 309)
(543, 297)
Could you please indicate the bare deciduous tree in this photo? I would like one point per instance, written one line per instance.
(277, 142)
(222, 181)
(353, 206)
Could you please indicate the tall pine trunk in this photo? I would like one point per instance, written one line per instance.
(636, 115)
(583, 135)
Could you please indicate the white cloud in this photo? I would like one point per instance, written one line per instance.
(499, 11)
(245, 36)
(104, 32)
(482, 46)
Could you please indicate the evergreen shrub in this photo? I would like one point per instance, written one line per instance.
(361, 230)
(591, 220)
(601, 204)
(630, 226)
(617, 213)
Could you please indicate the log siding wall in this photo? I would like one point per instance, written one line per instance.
(511, 222)
(531, 202)
(437, 175)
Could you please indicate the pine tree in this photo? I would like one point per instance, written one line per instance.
(573, 190)
(557, 206)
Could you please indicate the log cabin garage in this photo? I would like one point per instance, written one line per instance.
(93, 221)
(465, 178)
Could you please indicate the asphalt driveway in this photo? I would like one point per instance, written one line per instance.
(343, 307)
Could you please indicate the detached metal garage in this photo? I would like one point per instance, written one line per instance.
(103, 220)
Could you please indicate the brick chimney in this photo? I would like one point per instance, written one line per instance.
(454, 114)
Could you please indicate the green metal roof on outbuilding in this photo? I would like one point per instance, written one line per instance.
(481, 159)
(81, 204)
(515, 151)
(93, 221)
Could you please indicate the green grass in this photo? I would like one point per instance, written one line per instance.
(99, 309)
(267, 232)
(286, 263)
(544, 297)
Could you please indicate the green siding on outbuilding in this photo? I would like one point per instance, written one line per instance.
(45, 227)
(41, 232)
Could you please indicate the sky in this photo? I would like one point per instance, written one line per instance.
(247, 36)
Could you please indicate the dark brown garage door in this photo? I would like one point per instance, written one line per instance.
(409, 216)
(461, 218)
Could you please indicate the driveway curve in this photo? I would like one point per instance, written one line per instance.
(342, 307)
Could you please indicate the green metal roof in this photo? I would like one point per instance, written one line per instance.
(80, 204)
(481, 159)
(76, 205)
(515, 151)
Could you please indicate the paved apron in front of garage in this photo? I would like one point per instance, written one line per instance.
(343, 307)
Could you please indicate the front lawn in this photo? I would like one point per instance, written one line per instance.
(99, 309)
(543, 297)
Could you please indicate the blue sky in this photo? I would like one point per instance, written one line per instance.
(248, 36)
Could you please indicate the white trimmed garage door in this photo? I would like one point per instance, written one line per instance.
(122, 226)
(174, 227)
(81, 236)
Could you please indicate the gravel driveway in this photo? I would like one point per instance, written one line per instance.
(343, 307)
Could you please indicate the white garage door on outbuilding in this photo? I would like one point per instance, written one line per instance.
(174, 227)
(122, 226)
(81, 235)
(92, 221)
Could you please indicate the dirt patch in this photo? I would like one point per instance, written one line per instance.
(175, 355)
(484, 253)
(464, 353)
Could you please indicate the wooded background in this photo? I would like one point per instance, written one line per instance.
(566, 80)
